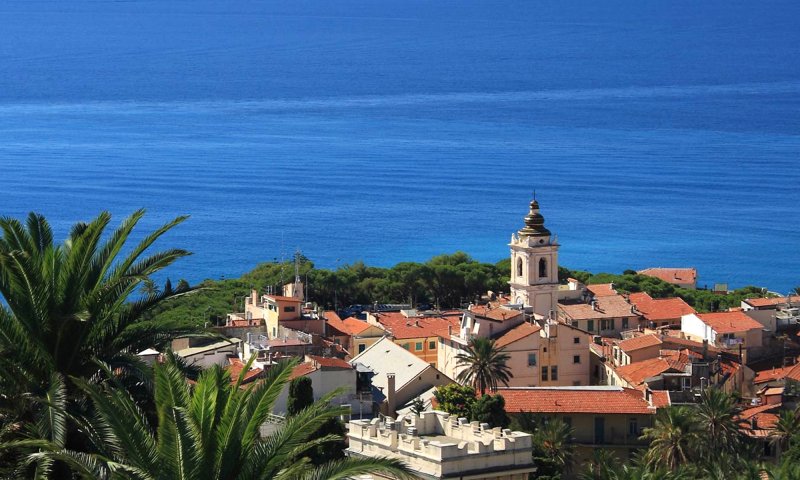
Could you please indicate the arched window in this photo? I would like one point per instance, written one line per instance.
(542, 268)
(519, 268)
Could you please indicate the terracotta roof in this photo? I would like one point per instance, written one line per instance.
(302, 369)
(610, 306)
(519, 332)
(640, 342)
(331, 315)
(758, 422)
(671, 275)
(660, 309)
(772, 374)
(402, 327)
(494, 313)
(593, 400)
(602, 289)
(729, 322)
(772, 301)
(235, 367)
(348, 326)
(330, 362)
(660, 398)
(638, 372)
(696, 347)
(794, 373)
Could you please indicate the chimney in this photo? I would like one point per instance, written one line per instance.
(254, 297)
(390, 394)
(594, 305)
(705, 349)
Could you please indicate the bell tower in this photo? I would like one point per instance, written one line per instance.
(534, 264)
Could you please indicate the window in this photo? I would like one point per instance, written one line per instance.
(544, 374)
(590, 325)
(575, 323)
(576, 340)
(544, 349)
(407, 346)
(288, 309)
(554, 373)
(633, 427)
(519, 267)
(542, 268)
(531, 359)
(432, 345)
(362, 347)
(418, 346)
(576, 359)
(624, 323)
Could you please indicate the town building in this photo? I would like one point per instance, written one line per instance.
(351, 333)
(417, 332)
(327, 375)
(774, 313)
(542, 352)
(732, 331)
(660, 312)
(606, 315)
(203, 353)
(602, 417)
(437, 445)
(680, 277)
(394, 375)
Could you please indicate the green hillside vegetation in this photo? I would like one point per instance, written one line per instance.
(447, 281)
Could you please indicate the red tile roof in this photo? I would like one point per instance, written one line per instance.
(759, 421)
(330, 362)
(672, 275)
(402, 327)
(302, 369)
(495, 313)
(610, 306)
(729, 322)
(772, 374)
(235, 369)
(697, 347)
(592, 400)
(348, 326)
(660, 309)
(602, 289)
(640, 342)
(773, 301)
(519, 332)
(638, 372)
(794, 373)
(660, 398)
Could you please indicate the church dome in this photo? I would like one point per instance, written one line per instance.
(534, 223)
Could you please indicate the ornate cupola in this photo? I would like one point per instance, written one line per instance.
(534, 223)
(534, 265)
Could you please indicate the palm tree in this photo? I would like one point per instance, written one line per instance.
(68, 305)
(673, 438)
(552, 448)
(209, 431)
(71, 310)
(485, 365)
(715, 416)
(786, 428)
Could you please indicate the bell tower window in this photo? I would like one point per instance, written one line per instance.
(519, 268)
(542, 268)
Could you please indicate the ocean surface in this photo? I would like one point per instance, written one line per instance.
(655, 133)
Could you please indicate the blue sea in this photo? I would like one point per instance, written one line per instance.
(655, 133)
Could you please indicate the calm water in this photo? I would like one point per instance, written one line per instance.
(655, 133)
